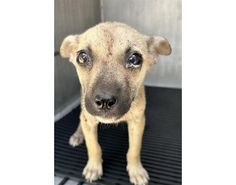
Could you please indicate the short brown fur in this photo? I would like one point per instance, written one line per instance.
(108, 43)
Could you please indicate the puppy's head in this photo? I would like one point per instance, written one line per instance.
(111, 60)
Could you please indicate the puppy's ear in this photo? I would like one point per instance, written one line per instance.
(158, 46)
(68, 45)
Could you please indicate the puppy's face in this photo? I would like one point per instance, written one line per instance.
(111, 60)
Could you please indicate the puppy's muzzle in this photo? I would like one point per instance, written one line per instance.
(108, 100)
(105, 101)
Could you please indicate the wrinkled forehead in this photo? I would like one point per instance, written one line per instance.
(112, 39)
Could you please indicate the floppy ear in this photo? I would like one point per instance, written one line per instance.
(158, 46)
(68, 45)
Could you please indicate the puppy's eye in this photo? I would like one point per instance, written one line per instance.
(134, 60)
(83, 58)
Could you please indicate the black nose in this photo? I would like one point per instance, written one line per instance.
(105, 101)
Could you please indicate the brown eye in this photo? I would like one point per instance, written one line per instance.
(83, 58)
(134, 60)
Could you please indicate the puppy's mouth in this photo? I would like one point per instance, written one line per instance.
(107, 119)
(113, 114)
(108, 114)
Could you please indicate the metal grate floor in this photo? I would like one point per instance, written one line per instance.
(161, 149)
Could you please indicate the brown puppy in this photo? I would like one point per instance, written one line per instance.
(111, 60)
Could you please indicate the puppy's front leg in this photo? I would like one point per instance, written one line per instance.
(138, 175)
(93, 169)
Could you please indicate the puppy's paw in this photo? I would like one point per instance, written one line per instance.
(137, 174)
(76, 140)
(92, 171)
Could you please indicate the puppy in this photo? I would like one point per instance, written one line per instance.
(111, 60)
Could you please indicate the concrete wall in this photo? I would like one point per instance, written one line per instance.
(153, 17)
(71, 16)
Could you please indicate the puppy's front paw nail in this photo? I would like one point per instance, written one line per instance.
(92, 171)
(76, 140)
(137, 174)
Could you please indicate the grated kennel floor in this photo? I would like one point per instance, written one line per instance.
(161, 149)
